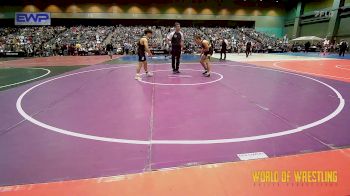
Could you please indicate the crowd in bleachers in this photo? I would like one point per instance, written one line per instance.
(29, 39)
(126, 38)
(81, 40)
(87, 40)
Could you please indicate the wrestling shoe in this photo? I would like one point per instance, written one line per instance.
(138, 77)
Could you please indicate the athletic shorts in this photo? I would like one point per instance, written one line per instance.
(209, 53)
(142, 57)
(110, 52)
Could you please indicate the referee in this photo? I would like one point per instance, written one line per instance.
(109, 49)
(176, 38)
(223, 48)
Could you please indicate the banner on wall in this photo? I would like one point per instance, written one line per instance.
(33, 19)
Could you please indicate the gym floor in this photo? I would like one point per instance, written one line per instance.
(64, 119)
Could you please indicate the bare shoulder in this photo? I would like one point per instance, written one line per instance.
(143, 40)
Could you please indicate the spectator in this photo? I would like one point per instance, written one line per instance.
(248, 48)
(342, 47)
(307, 46)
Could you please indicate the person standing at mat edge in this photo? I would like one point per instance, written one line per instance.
(109, 49)
(223, 49)
(141, 51)
(248, 47)
(342, 47)
(176, 39)
(207, 51)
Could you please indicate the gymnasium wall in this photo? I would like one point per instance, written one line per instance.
(344, 26)
(315, 29)
(317, 5)
(344, 29)
(267, 19)
(290, 14)
(288, 30)
(318, 28)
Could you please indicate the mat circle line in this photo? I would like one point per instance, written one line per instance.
(342, 67)
(24, 81)
(184, 84)
(316, 74)
(180, 142)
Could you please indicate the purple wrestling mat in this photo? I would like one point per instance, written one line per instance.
(99, 121)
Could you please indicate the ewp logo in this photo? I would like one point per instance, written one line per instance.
(41, 18)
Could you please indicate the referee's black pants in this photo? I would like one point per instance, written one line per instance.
(247, 52)
(223, 51)
(341, 52)
(175, 58)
